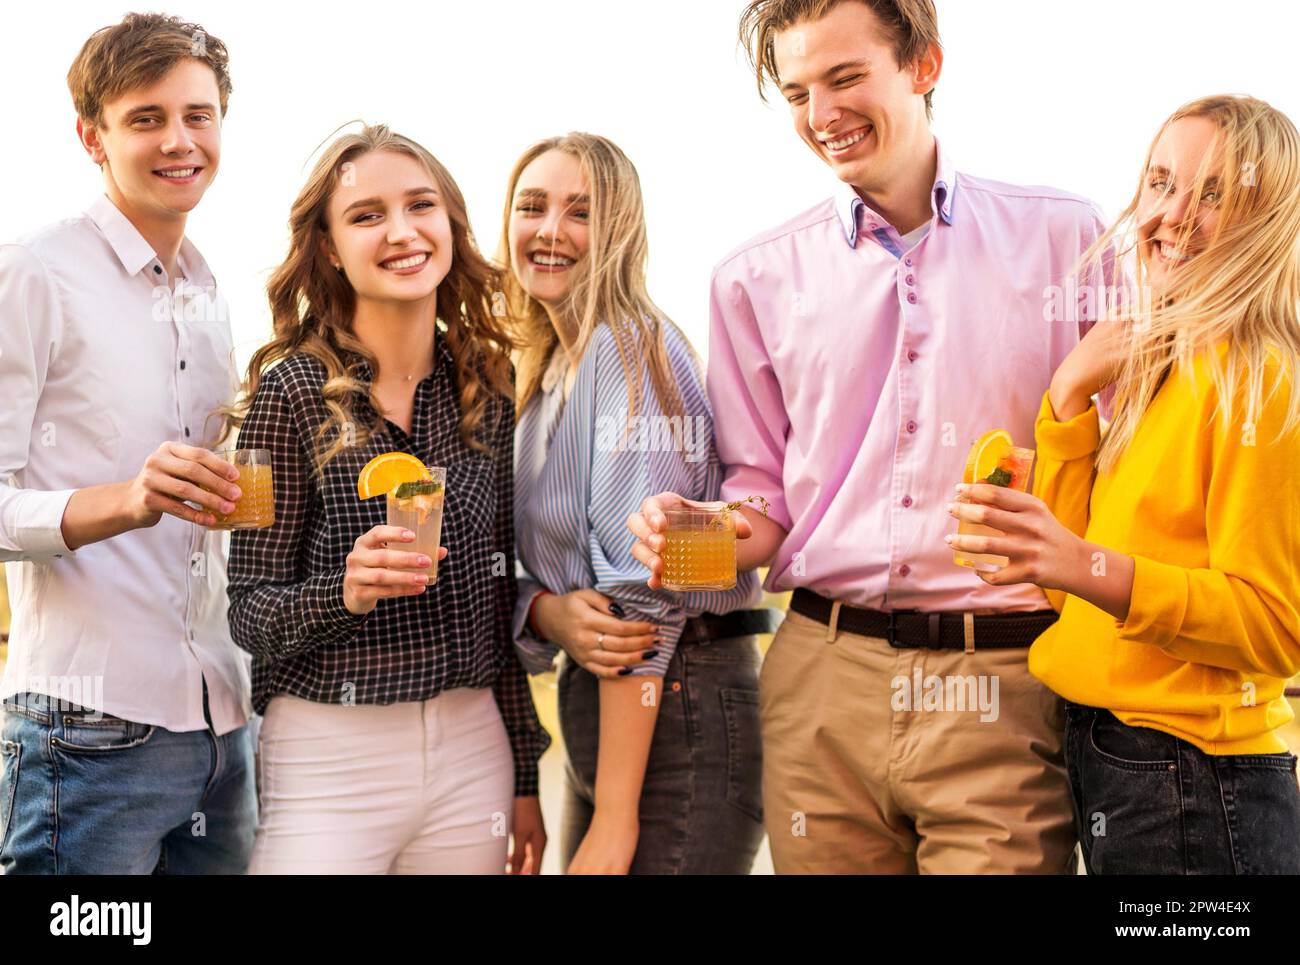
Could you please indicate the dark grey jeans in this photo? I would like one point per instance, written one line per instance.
(701, 804)
(1146, 802)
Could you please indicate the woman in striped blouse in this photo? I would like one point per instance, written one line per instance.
(657, 700)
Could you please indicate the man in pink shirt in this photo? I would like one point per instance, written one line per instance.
(856, 351)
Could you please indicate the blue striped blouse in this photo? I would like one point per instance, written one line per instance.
(578, 475)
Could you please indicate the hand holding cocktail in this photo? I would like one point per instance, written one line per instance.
(688, 545)
(376, 572)
(255, 506)
(995, 461)
(376, 569)
(175, 475)
(1038, 547)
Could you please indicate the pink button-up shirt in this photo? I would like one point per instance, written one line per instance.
(849, 376)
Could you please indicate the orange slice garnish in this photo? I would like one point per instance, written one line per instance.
(986, 453)
(386, 472)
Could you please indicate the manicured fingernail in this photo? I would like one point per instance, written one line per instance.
(952, 508)
(407, 534)
(420, 578)
(649, 654)
(234, 492)
(962, 487)
(617, 610)
(227, 507)
(625, 671)
(947, 539)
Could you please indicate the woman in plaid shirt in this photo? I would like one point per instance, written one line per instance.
(399, 733)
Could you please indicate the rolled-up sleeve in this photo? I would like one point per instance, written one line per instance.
(536, 655)
(31, 521)
(1064, 474)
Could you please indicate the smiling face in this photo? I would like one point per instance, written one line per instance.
(1170, 232)
(160, 145)
(851, 103)
(389, 229)
(548, 233)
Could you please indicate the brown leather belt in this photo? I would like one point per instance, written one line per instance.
(936, 631)
(720, 626)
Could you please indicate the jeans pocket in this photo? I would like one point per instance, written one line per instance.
(1130, 802)
(744, 751)
(1131, 748)
(1262, 802)
(98, 734)
(11, 755)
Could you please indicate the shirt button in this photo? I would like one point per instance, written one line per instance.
(911, 426)
(904, 570)
(187, 432)
(911, 297)
(157, 269)
(182, 363)
(911, 355)
(907, 501)
(911, 280)
(907, 262)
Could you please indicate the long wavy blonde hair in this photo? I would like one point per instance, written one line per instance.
(312, 306)
(609, 281)
(1242, 290)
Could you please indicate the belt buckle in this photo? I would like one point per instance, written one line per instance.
(891, 631)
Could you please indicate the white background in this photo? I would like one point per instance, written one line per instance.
(1044, 92)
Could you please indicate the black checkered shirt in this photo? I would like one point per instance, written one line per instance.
(286, 581)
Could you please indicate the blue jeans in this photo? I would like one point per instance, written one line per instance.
(89, 793)
(701, 807)
(1146, 802)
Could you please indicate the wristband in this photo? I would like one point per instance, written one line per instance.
(536, 596)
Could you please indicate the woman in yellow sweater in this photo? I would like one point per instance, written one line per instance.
(1170, 545)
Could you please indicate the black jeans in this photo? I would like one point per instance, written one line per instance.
(701, 807)
(1146, 802)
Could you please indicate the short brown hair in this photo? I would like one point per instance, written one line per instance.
(136, 53)
(911, 24)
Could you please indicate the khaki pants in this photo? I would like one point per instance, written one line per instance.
(861, 777)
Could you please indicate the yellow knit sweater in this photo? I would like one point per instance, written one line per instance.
(1211, 516)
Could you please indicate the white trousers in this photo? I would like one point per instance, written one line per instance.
(423, 787)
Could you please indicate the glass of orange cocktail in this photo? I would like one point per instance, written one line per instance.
(417, 506)
(415, 495)
(255, 507)
(700, 547)
(994, 461)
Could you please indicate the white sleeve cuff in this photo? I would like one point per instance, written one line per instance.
(32, 525)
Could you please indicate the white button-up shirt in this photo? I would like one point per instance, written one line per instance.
(100, 363)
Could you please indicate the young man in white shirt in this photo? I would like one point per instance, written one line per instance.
(125, 744)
